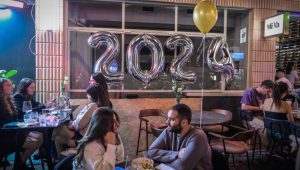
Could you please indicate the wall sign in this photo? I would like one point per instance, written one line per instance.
(243, 35)
(275, 26)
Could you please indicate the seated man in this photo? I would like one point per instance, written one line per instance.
(253, 100)
(181, 146)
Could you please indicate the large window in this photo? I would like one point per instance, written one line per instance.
(129, 19)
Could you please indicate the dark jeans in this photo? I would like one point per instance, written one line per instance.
(65, 164)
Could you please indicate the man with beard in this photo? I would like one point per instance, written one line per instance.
(181, 146)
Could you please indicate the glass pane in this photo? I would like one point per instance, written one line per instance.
(237, 31)
(150, 17)
(95, 14)
(186, 23)
(163, 82)
(211, 79)
(83, 57)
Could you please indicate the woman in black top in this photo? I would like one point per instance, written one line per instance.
(25, 91)
(9, 113)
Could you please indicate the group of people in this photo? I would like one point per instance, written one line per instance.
(11, 111)
(95, 131)
(269, 96)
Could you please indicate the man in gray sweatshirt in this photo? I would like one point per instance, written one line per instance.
(181, 146)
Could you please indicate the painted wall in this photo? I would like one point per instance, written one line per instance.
(16, 31)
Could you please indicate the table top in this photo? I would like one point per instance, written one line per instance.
(208, 118)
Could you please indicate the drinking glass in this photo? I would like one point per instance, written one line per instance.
(26, 118)
(27, 106)
(50, 101)
(43, 120)
(35, 116)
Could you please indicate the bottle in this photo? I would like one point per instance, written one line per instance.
(296, 105)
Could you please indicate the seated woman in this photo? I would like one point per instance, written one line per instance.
(25, 91)
(8, 113)
(69, 134)
(101, 147)
(98, 78)
(276, 103)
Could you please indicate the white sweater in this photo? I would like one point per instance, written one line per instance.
(83, 119)
(97, 158)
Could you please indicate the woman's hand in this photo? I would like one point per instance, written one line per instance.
(110, 138)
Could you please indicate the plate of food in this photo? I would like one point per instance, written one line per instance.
(142, 163)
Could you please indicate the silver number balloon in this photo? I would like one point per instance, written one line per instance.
(133, 58)
(225, 63)
(109, 56)
(186, 50)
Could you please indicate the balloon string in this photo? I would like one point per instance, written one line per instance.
(202, 80)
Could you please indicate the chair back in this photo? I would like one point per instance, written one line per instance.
(150, 112)
(277, 124)
(275, 115)
(279, 130)
(156, 131)
(242, 135)
(223, 112)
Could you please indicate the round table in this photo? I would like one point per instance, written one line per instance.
(208, 118)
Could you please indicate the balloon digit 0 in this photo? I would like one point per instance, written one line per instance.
(133, 58)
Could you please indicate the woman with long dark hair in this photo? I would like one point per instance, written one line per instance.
(9, 113)
(98, 78)
(69, 134)
(101, 147)
(276, 103)
(25, 91)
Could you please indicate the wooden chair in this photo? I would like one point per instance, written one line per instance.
(236, 144)
(219, 128)
(156, 131)
(279, 129)
(245, 116)
(144, 117)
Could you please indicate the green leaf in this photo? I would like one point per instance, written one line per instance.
(10, 73)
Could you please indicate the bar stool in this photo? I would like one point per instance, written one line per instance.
(144, 116)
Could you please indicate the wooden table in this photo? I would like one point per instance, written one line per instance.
(208, 118)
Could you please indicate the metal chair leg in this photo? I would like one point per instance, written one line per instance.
(4, 163)
(147, 147)
(248, 161)
(42, 161)
(31, 163)
(254, 146)
(138, 144)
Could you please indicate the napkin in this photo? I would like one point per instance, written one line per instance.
(163, 166)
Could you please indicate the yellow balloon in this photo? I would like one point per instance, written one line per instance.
(205, 15)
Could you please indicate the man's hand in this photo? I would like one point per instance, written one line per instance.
(181, 152)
